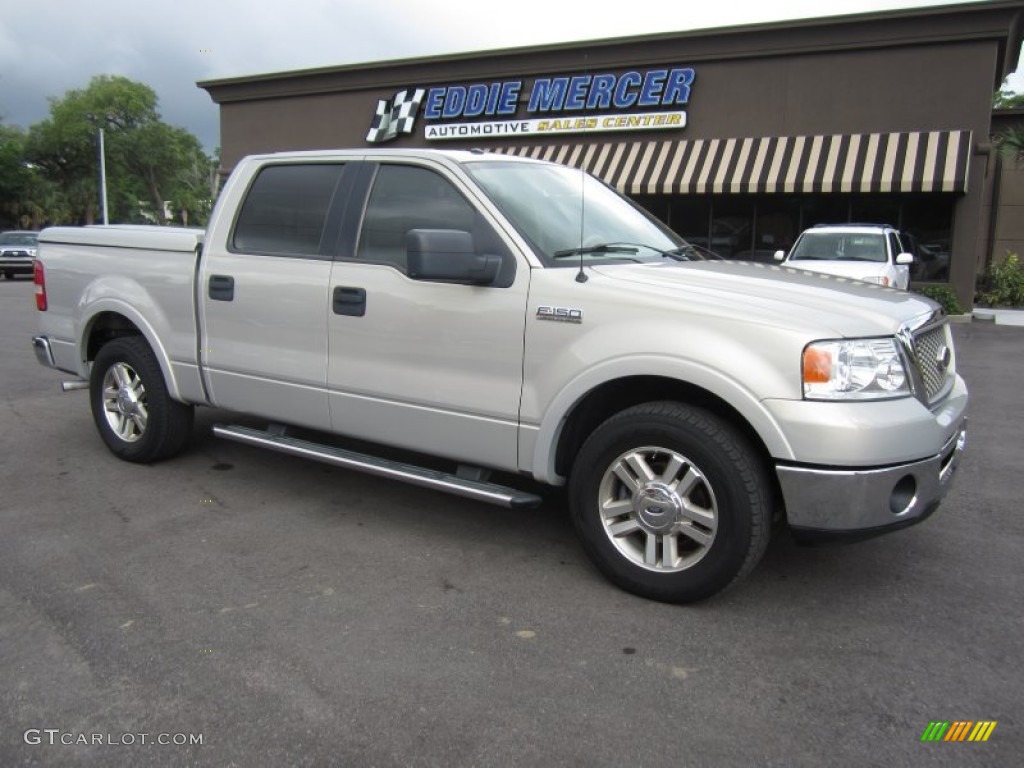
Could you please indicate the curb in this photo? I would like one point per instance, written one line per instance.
(1013, 317)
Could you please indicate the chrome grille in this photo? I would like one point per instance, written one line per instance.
(934, 356)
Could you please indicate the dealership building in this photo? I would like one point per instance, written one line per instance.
(737, 138)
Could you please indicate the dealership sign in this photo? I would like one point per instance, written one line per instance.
(631, 101)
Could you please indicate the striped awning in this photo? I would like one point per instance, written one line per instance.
(924, 161)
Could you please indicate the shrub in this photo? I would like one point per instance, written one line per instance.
(944, 295)
(1003, 284)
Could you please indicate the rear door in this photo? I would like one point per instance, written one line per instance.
(265, 294)
(430, 366)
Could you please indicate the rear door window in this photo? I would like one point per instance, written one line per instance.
(285, 210)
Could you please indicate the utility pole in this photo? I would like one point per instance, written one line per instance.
(103, 178)
(99, 122)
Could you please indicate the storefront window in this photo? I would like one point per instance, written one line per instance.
(690, 217)
(871, 209)
(732, 224)
(777, 225)
(927, 221)
(827, 209)
(753, 228)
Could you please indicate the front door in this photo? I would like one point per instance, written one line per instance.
(429, 366)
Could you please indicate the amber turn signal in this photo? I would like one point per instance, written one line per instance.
(817, 366)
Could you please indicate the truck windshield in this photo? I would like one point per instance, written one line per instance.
(822, 246)
(19, 238)
(568, 215)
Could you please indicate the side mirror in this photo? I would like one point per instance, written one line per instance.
(904, 258)
(780, 255)
(448, 255)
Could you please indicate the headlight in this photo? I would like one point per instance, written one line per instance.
(877, 280)
(854, 369)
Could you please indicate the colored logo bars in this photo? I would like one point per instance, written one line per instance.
(958, 730)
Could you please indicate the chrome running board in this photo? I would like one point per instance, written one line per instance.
(490, 493)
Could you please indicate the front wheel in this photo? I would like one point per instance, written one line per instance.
(134, 414)
(671, 502)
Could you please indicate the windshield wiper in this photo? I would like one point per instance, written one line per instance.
(678, 253)
(601, 248)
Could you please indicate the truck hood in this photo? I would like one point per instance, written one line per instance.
(775, 295)
(855, 269)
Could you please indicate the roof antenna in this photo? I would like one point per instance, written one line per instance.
(581, 276)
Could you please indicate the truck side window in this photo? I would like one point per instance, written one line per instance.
(285, 210)
(406, 197)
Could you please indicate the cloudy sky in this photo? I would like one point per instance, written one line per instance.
(50, 46)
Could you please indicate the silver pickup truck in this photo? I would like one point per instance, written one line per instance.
(510, 315)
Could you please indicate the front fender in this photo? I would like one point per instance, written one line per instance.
(538, 444)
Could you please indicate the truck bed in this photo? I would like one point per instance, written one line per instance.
(144, 273)
(142, 236)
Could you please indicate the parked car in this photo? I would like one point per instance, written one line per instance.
(17, 251)
(873, 253)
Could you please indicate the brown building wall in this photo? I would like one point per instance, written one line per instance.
(1009, 231)
(880, 90)
(1008, 226)
(844, 92)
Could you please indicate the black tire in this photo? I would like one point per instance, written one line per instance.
(699, 521)
(135, 416)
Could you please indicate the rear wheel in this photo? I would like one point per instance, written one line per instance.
(134, 414)
(671, 502)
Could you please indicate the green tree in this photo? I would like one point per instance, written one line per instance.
(195, 187)
(27, 198)
(174, 169)
(14, 174)
(144, 155)
(1007, 99)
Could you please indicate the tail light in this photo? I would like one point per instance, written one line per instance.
(39, 278)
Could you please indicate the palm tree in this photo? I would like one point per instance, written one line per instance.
(1011, 143)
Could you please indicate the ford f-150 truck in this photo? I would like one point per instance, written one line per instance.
(512, 315)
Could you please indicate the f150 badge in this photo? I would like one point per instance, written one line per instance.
(560, 314)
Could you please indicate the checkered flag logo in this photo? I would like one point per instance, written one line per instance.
(395, 116)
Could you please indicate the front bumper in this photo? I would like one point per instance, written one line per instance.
(824, 504)
(16, 264)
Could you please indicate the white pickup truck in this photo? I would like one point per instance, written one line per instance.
(513, 315)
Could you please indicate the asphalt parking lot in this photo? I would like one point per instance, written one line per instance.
(288, 613)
